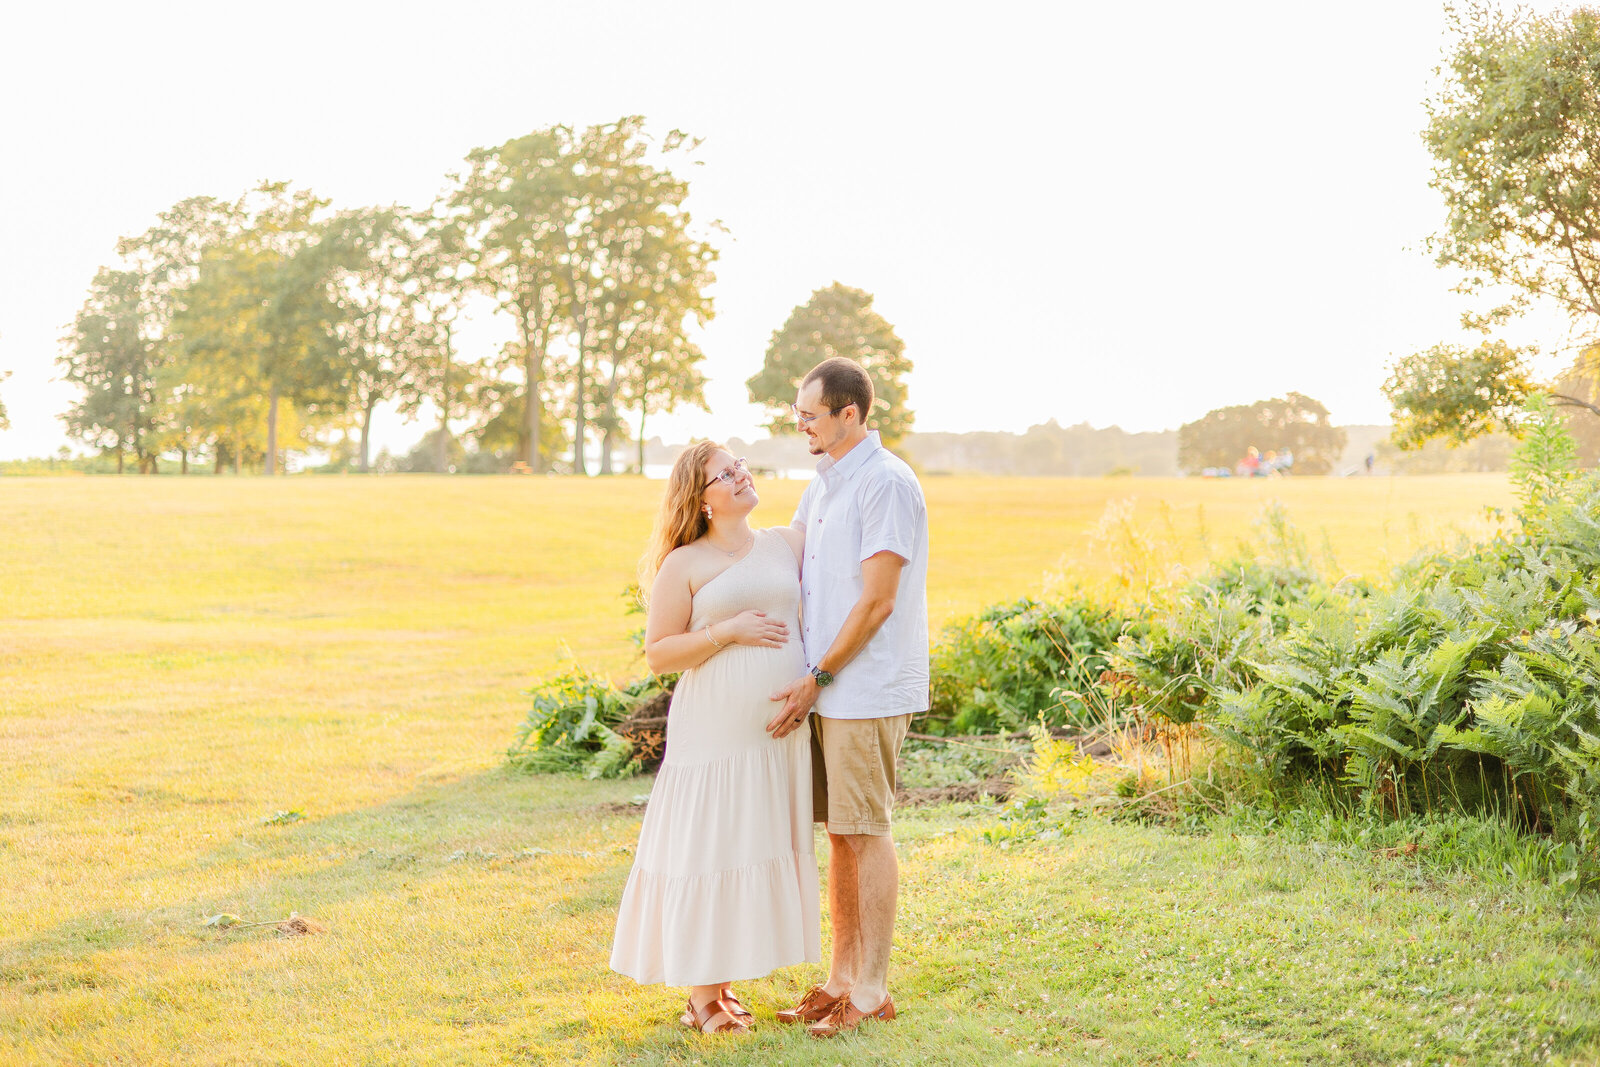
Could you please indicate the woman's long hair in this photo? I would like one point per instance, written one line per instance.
(682, 518)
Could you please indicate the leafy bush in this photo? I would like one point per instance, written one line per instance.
(1472, 682)
(1206, 638)
(571, 726)
(1004, 668)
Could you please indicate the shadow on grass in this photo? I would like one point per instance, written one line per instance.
(495, 821)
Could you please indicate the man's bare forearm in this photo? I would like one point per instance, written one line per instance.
(860, 626)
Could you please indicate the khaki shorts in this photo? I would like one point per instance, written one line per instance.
(852, 772)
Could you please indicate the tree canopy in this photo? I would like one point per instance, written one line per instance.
(229, 327)
(1514, 131)
(1295, 424)
(836, 321)
(583, 238)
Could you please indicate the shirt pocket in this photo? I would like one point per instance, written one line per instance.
(838, 554)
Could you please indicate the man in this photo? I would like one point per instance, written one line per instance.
(864, 627)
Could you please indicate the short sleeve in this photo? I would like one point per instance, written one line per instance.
(802, 511)
(891, 517)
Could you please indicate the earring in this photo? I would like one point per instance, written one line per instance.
(708, 511)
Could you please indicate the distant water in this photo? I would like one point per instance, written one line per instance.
(797, 474)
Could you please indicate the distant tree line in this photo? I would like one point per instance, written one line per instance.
(230, 329)
(1048, 449)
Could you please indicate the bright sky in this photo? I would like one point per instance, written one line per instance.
(1119, 214)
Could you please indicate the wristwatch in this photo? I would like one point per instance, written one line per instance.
(824, 679)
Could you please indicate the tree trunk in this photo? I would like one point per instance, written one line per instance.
(580, 429)
(183, 454)
(605, 450)
(533, 413)
(366, 434)
(533, 366)
(272, 432)
(580, 393)
(444, 407)
(641, 440)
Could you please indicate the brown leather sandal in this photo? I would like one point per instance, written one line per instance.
(717, 1017)
(739, 1010)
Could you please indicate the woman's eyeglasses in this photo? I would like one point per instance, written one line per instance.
(730, 474)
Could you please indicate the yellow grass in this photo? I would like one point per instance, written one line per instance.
(182, 660)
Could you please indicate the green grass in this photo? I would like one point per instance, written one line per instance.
(180, 662)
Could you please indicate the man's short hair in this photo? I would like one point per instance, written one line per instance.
(844, 382)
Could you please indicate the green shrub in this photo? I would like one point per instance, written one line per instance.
(1466, 681)
(570, 727)
(1001, 670)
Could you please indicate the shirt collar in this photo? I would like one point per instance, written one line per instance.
(842, 469)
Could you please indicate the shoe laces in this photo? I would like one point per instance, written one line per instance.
(836, 1014)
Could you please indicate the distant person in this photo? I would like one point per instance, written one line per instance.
(724, 880)
(1371, 459)
(865, 630)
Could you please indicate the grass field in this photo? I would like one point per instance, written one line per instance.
(259, 697)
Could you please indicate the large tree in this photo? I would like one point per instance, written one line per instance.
(383, 326)
(836, 321)
(5, 423)
(511, 208)
(1514, 130)
(107, 354)
(1294, 423)
(432, 375)
(583, 238)
(166, 257)
(637, 281)
(258, 323)
(119, 349)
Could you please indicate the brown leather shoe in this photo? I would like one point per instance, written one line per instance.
(846, 1017)
(816, 1004)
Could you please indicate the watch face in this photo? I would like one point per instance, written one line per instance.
(823, 677)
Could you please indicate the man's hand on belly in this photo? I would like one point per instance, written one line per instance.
(798, 697)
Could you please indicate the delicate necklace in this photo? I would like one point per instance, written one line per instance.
(724, 551)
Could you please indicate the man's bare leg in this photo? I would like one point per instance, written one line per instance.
(877, 874)
(844, 913)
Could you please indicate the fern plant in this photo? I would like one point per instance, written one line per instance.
(570, 727)
(1543, 466)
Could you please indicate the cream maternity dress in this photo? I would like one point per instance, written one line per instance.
(724, 882)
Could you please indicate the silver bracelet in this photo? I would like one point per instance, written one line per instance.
(713, 640)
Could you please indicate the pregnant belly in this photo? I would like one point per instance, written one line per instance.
(739, 680)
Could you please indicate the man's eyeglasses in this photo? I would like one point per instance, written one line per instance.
(730, 474)
(807, 419)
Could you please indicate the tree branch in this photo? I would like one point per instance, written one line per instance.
(1564, 401)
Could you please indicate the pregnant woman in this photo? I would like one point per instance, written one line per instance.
(724, 881)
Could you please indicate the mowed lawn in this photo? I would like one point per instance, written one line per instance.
(262, 697)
